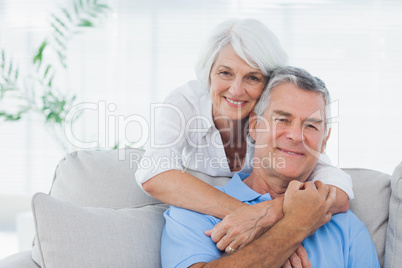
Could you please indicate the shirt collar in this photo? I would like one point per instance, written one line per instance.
(239, 190)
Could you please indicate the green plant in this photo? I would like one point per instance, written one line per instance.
(37, 93)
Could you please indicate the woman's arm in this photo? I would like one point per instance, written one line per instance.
(242, 222)
(341, 204)
(180, 189)
(336, 177)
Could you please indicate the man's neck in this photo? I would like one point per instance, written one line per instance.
(264, 183)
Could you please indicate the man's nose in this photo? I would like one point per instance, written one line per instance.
(237, 87)
(295, 133)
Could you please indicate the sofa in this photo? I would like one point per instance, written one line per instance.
(96, 215)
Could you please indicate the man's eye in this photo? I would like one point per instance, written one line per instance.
(311, 126)
(281, 120)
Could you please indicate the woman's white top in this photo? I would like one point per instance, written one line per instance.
(183, 136)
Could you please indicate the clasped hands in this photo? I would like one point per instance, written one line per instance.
(307, 204)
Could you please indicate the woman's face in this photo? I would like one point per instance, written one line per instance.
(235, 86)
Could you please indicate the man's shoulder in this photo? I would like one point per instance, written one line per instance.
(181, 214)
(348, 222)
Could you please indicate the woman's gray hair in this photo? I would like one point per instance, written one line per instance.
(250, 39)
(300, 78)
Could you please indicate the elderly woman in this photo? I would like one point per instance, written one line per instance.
(203, 126)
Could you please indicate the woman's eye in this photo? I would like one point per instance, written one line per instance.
(224, 73)
(254, 78)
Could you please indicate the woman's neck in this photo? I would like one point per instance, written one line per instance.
(233, 132)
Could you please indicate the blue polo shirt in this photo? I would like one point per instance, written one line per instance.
(342, 242)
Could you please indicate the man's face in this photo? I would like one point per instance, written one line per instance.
(291, 135)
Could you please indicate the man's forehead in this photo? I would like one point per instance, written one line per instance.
(289, 100)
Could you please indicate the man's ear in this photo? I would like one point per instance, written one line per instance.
(324, 144)
(252, 124)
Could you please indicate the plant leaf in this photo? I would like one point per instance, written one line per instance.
(59, 21)
(68, 16)
(85, 23)
(39, 55)
(3, 58)
(10, 69)
(76, 8)
(50, 81)
(57, 29)
(47, 70)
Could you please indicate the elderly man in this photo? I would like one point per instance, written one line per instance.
(290, 131)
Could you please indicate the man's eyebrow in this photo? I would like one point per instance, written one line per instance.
(309, 119)
(314, 120)
(282, 113)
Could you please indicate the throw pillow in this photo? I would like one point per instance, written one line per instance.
(72, 236)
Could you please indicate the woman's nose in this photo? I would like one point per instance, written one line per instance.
(236, 88)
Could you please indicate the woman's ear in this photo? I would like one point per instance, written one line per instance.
(252, 124)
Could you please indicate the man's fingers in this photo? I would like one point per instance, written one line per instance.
(331, 195)
(287, 264)
(302, 253)
(294, 186)
(295, 261)
(322, 189)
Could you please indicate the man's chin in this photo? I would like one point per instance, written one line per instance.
(292, 174)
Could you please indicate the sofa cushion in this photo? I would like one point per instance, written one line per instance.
(100, 179)
(393, 256)
(372, 192)
(72, 236)
(20, 259)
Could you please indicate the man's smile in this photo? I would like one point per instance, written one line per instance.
(291, 152)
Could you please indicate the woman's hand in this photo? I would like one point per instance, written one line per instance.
(299, 259)
(245, 224)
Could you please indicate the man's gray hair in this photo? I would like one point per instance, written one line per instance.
(251, 40)
(300, 78)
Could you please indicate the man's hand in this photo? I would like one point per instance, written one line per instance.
(247, 223)
(308, 204)
(299, 259)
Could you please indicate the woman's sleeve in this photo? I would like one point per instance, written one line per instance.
(331, 175)
(167, 138)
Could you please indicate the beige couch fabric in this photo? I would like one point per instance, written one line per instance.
(371, 204)
(73, 236)
(393, 251)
